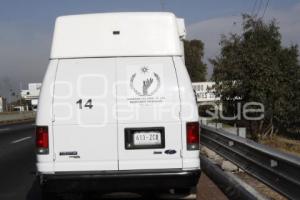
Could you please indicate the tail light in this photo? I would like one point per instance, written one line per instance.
(192, 135)
(42, 140)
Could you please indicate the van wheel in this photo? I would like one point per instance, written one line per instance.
(149, 195)
(48, 195)
(183, 191)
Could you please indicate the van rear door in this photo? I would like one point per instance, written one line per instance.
(148, 109)
(84, 121)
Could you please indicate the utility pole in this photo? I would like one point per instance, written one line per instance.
(20, 95)
(10, 94)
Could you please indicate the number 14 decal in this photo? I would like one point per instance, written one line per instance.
(88, 103)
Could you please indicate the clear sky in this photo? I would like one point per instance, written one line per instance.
(27, 27)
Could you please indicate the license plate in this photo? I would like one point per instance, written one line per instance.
(147, 138)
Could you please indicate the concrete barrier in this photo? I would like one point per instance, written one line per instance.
(16, 116)
(239, 131)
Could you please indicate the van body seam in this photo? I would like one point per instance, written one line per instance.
(179, 95)
(116, 100)
(52, 111)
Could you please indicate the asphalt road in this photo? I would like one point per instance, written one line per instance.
(17, 170)
(17, 161)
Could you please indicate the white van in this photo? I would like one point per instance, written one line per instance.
(117, 110)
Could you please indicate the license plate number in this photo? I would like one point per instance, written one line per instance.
(147, 138)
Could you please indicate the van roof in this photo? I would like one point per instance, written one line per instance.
(117, 34)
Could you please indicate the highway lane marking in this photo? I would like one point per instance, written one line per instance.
(4, 129)
(20, 140)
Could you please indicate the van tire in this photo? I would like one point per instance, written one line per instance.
(46, 195)
(183, 191)
(150, 195)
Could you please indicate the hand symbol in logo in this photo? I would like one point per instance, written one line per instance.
(146, 84)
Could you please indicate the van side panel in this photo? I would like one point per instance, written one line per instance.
(148, 98)
(44, 116)
(85, 124)
(189, 112)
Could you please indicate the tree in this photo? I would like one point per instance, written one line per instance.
(255, 67)
(194, 52)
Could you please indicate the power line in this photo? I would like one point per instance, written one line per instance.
(253, 8)
(266, 7)
(259, 7)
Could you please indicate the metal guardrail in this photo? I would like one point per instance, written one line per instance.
(279, 170)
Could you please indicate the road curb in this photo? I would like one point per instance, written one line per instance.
(231, 186)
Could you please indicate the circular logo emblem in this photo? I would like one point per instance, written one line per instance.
(145, 82)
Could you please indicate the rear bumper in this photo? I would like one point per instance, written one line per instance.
(120, 181)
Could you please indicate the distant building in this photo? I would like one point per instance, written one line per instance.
(32, 94)
(2, 104)
(18, 108)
